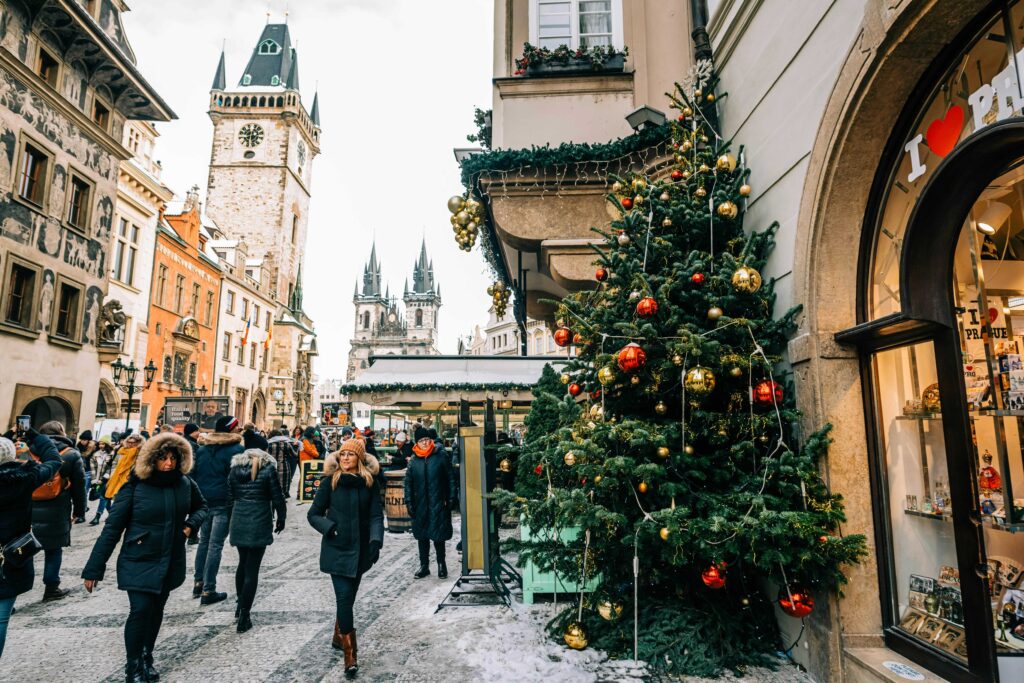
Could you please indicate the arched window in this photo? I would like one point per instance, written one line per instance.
(366, 320)
(275, 80)
(246, 79)
(280, 101)
(167, 368)
(419, 317)
(269, 47)
(263, 100)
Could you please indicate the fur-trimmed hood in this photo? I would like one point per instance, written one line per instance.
(145, 463)
(245, 459)
(219, 439)
(332, 463)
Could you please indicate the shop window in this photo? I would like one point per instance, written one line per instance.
(32, 174)
(68, 313)
(48, 68)
(20, 293)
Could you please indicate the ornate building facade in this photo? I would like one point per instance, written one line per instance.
(383, 325)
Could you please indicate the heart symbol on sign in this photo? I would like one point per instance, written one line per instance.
(969, 368)
(993, 313)
(943, 134)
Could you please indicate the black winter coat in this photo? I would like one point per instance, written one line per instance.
(213, 462)
(151, 511)
(430, 495)
(250, 500)
(350, 517)
(17, 482)
(51, 519)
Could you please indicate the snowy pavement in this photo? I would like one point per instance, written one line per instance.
(401, 638)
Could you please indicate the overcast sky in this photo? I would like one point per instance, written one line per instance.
(398, 80)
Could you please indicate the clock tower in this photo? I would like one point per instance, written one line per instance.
(261, 164)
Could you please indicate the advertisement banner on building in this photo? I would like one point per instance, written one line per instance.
(203, 410)
(336, 413)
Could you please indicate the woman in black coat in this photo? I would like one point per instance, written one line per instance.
(430, 496)
(18, 479)
(253, 489)
(348, 511)
(155, 511)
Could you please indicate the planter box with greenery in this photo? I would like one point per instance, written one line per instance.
(542, 61)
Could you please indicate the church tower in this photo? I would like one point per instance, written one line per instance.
(261, 164)
(422, 302)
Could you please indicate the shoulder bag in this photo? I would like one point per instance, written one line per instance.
(19, 551)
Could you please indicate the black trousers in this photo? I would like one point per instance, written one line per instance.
(247, 575)
(345, 588)
(291, 464)
(424, 545)
(145, 615)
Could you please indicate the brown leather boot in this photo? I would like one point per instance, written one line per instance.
(348, 640)
(336, 642)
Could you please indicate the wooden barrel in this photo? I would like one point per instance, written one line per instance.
(394, 502)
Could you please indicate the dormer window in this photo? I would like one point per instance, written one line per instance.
(246, 79)
(275, 80)
(269, 47)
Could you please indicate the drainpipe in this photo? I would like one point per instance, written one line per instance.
(702, 50)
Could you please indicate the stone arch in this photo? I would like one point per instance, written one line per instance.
(280, 101)
(258, 412)
(234, 102)
(108, 402)
(46, 408)
(245, 101)
(263, 101)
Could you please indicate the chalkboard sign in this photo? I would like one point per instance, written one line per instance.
(310, 473)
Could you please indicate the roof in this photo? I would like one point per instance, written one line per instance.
(272, 56)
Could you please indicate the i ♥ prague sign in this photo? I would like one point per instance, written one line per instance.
(943, 134)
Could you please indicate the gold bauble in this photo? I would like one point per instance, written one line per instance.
(736, 371)
(697, 93)
(677, 359)
(660, 408)
(746, 280)
(665, 197)
(566, 378)
(667, 222)
(714, 313)
(455, 204)
(473, 206)
(686, 174)
(569, 459)
(575, 636)
(616, 187)
(663, 452)
(699, 381)
(688, 450)
(596, 410)
(638, 200)
(704, 138)
(642, 487)
(727, 209)
(703, 168)
(726, 162)
(930, 399)
(634, 380)
(701, 192)
(606, 376)
(664, 533)
(687, 111)
(639, 184)
(597, 479)
(463, 217)
(505, 465)
(686, 146)
(679, 158)
(609, 611)
(711, 97)
(745, 190)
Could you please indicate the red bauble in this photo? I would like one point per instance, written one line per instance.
(627, 203)
(577, 339)
(595, 394)
(575, 390)
(631, 357)
(647, 307)
(697, 278)
(714, 576)
(601, 274)
(766, 393)
(538, 469)
(682, 117)
(796, 601)
(563, 336)
(676, 175)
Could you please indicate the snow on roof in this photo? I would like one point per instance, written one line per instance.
(431, 370)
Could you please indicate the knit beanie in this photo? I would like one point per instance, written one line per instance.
(7, 450)
(226, 424)
(191, 428)
(251, 440)
(421, 433)
(85, 436)
(356, 446)
(401, 436)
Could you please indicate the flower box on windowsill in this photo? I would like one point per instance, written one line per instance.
(575, 66)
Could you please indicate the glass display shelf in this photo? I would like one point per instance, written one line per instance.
(945, 515)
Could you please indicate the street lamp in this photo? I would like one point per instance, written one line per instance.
(282, 407)
(192, 390)
(130, 372)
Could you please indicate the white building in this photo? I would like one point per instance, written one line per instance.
(502, 337)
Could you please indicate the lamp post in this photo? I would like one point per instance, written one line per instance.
(192, 390)
(129, 372)
(281, 407)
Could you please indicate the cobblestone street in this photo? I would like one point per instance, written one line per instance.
(400, 636)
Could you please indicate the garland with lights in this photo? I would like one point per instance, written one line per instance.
(675, 449)
(389, 387)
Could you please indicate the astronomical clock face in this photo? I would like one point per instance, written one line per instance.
(251, 135)
(301, 152)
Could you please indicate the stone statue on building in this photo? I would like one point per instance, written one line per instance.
(46, 302)
(111, 323)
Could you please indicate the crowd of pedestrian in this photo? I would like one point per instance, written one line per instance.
(208, 485)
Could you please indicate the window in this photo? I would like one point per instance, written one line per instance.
(179, 292)
(159, 329)
(180, 361)
(240, 358)
(208, 317)
(32, 177)
(78, 202)
(576, 23)
(252, 354)
(223, 386)
(100, 114)
(231, 302)
(275, 80)
(48, 68)
(191, 374)
(295, 228)
(263, 360)
(69, 303)
(256, 315)
(419, 317)
(269, 47)
(196, 291)
(269, 321)
(20, 297)
(366, 320)
(167, 369)
(161, 285)
(126, 252)
(245, 308)
(225, 353)
(246, 80)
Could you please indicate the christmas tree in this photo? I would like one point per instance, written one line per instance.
(675, 453)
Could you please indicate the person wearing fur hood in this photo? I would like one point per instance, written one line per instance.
(254, 498)
(155, 511)
(348, 512)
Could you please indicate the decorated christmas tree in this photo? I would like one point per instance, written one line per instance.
(677, 458)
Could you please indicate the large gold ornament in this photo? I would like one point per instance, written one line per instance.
(664, 533)
(728, 210)
(660, 408)
(566, 378)
(569, 459)
(746, 280)
(726, 162)
(575, 636)
(714, 313)
(606, 376)
(745, 190)
(699, 381)
(663, 452)
(456, 203)
(930, 399)
(609, 611)
(505, 465)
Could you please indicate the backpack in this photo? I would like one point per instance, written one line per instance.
(52, 488)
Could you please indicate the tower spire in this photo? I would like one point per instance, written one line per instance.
(314, 111)
(220, 78)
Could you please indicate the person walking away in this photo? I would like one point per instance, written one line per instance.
(429, 496)
(280, 448)
(213, 463)
(348, 512)
(154, 512)
(254, 499)
(87, 447)
(103, 464)
(124, 463)
(19, 477)
(54, 505)
(190, 435)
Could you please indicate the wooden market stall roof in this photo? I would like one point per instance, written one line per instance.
(419, 380)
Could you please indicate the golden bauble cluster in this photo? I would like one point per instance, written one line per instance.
(746, 280)
(467, 217)
(500, 295)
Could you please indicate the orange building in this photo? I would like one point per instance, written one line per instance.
(183, 308)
